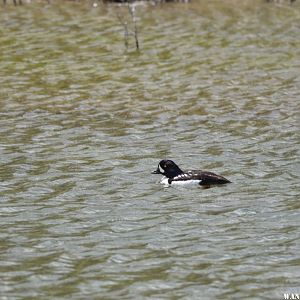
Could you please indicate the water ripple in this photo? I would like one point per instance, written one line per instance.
(83, 122)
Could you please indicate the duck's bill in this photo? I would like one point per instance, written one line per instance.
(157, 171)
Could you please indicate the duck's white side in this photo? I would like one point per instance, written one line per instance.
(191, 182)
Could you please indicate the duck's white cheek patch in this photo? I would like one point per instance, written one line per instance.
(161, 170)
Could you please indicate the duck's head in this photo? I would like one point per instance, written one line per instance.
(167, 168)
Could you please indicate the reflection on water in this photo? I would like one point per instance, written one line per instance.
(83, 123)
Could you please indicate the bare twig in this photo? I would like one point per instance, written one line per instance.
(126, 33)
(131, 9)
(133, 22)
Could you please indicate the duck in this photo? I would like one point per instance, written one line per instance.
(173, 175)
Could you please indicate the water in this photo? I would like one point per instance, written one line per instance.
(84, 121)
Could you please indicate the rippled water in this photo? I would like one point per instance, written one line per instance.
(84, 121)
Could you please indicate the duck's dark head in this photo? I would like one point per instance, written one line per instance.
(167, 168)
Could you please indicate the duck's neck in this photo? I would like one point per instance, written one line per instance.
(173, 172)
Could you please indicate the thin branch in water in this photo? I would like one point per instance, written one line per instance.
(126, 32)
(130, 26)
(131, 9)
